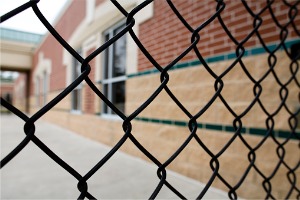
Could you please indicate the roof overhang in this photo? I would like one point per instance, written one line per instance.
(16, 56)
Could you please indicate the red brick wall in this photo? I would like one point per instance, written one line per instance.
(165, 36)
(52, 49)
(6, 88)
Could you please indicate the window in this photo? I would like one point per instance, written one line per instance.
(76, 93)
(8, 98)
(42, 79)
(114, 70)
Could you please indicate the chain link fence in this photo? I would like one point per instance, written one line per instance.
(237, 123)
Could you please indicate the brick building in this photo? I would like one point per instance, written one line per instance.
(127, 78)
(16, 55)
(7, 89)
(14, 91)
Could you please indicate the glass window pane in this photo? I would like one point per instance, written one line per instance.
(76, 66)
(119, 57)
(118, 95)
(78, 69)
(75, 69)
(105, 92)
(76, 99)
(119, 29)
(106, 59)
(76, 93)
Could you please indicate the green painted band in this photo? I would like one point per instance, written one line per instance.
(217, 58)
(226, 128)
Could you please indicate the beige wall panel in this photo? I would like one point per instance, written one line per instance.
(194, 87)
(64, 104)
(163, 140)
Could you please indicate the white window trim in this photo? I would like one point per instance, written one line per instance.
(79, 87)
(43, 69)
(104, 16)
(114, 79)
(113, 117)
(90, 8)
(76, 112)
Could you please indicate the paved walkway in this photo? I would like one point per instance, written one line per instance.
(33, 175)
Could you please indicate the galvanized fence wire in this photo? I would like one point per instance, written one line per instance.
(29, 126)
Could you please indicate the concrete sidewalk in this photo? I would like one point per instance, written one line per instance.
(33, 175)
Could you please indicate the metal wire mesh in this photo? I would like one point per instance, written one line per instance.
(195, 37)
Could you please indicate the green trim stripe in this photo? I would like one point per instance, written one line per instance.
(217, 58)
(219, 127)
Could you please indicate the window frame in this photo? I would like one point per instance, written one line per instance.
(76, 66)
(110, 80)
